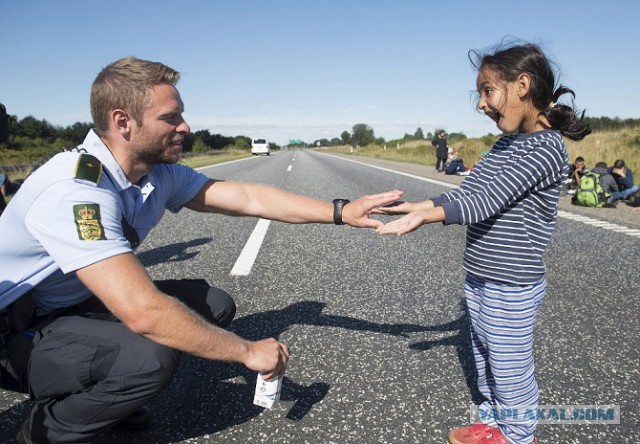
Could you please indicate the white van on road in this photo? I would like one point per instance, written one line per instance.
(259, 146)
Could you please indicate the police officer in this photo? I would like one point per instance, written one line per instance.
(78, 307)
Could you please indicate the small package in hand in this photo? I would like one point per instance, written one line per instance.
(267, 392)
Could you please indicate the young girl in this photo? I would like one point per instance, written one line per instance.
(509, 202)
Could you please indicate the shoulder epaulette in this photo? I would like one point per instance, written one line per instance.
(88, 168)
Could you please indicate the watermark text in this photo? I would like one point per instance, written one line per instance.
(550, 414)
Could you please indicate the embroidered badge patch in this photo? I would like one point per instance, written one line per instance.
(87, 217)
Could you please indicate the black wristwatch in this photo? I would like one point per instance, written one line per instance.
(338, 204)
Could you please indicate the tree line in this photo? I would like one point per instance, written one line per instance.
(362, 134)
(610, 124)
(30, 132)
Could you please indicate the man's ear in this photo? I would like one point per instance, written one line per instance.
(523, 84)
(121, 121)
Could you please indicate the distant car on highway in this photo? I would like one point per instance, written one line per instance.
(259, 146)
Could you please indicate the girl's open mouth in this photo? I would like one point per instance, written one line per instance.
(493, 115)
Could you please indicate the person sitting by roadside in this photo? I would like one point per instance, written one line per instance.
(608, 183)
(624, 178)
(455, 165)
(452, 154)
(576, 170)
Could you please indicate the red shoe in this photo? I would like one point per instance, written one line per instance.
(477, 434)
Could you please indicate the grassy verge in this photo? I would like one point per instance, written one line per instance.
(194, 161)
(197, 161)
(606, 146)
(416, 151)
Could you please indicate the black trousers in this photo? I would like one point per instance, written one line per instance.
(88, 371)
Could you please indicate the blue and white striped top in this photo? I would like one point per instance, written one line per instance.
(510, 203)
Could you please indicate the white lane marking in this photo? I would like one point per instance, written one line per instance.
(563, 214)
(249, 253)
(247, 257)
(599, 223)
(289, 168)
(413, 176)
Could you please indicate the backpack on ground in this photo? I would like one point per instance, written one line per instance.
(590, 192)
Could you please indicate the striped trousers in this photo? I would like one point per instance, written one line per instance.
(503, 318)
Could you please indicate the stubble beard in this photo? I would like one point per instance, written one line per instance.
(155, 155)
(151, 152)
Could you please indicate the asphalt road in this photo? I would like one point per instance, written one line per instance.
(377, 326)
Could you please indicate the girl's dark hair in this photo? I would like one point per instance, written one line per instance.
(511, 60)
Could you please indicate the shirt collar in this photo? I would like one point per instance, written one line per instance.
(95, 146)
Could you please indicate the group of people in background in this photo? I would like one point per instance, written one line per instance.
(448, 159)
(616, 182)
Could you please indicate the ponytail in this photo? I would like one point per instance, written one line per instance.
(565, 118)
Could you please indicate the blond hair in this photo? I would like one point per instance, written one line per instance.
(125, 84)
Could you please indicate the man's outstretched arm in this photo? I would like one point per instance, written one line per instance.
(241, 199)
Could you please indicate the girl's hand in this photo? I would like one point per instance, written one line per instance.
(397, 207)
(405, 224)
(425, 213)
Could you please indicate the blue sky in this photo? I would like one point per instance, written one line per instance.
(308, 69)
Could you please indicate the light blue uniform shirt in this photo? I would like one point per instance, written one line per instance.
(41, 243)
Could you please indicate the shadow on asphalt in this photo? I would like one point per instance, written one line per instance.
(171, 253)
(206, 396)
(462, 344)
